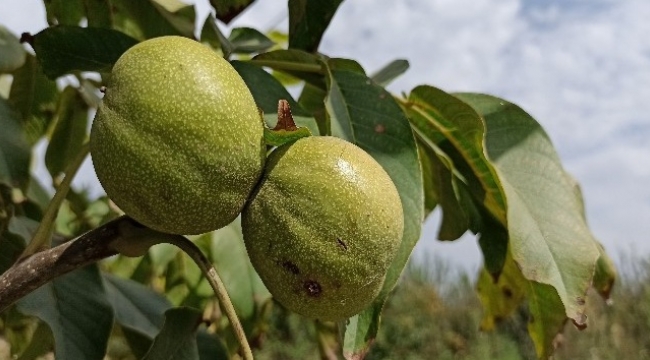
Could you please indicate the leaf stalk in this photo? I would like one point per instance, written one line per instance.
(44, 231)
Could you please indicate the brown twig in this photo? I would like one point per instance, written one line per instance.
(122, 235)
(36, 270)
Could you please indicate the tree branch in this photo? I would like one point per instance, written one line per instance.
(122, 235)
(36, 270)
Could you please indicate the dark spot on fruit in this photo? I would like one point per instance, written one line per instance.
(507, 292)
(291, 267)
(312, 288)
(165, 195)
(342, 244)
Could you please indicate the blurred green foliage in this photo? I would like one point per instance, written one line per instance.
(435, 314)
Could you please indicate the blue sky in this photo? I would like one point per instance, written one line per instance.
(580, 67)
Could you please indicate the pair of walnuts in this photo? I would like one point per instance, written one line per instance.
(178, 144)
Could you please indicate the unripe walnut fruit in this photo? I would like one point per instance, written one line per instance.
(177, 142)
(323, 227)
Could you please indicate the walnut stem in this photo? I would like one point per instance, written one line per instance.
(285, 118)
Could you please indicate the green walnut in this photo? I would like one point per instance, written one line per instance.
(177, 142)
(323, 226)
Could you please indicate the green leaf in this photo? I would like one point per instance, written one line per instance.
(179, 14)
(455, 131)
(281, 137)
(428, 182)
(454, 127)
(98, 13)
(229, 9)
(267, 91)
(210, 347)
(13, 53)
(213, 36)
(546, 317)
(390, 72)
(493, 236)
(139, 311)
(7, 206)
(136, 307)
(64, 49)
(15, 152)
(69, 131)
(12, 246)
(300, 64)
(500, 298)
(76, 310)
(38, 197)
(41, 343)
(247, 40)
(5, 85)
(88, 90)
(23, 227)
(33, 96)
(367, 115)
(138, 344)
(549, 239)
(177, 339)
(605, 274)
(145, 19)
(64, 12)
(502, 295)
(341, 64)
(308, 20)
(455, 221)
(209, 34)
(312, 99)
(360, 331)
(14, 238)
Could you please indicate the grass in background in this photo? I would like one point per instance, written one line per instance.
(435, 314)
